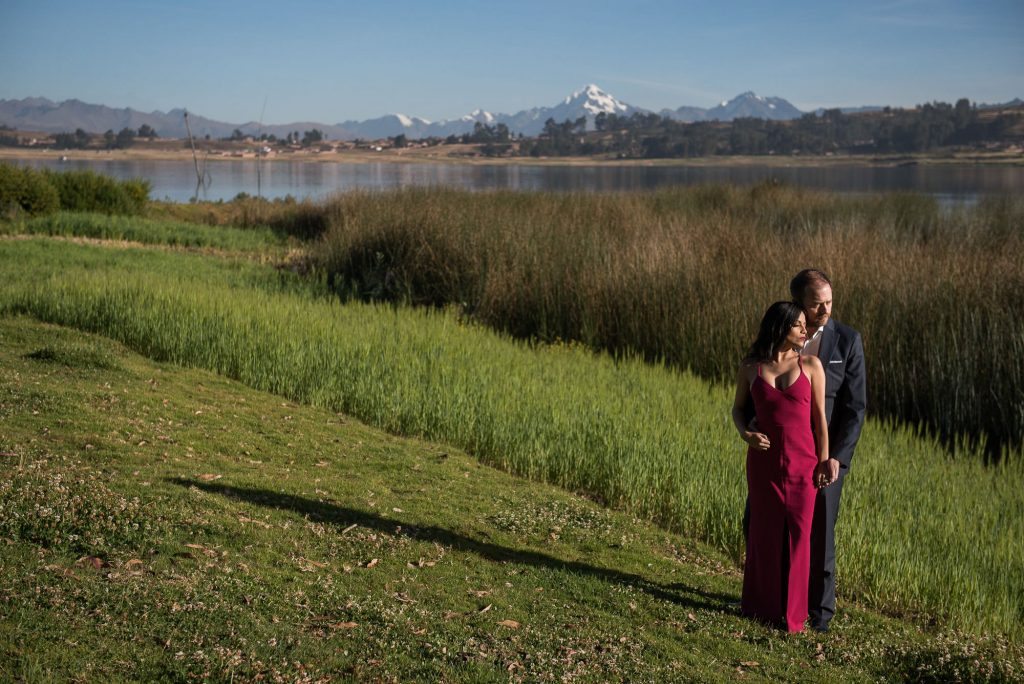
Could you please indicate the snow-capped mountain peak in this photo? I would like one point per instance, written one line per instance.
(750, 104)
(481, 115)
(594, 101)
(744, 105)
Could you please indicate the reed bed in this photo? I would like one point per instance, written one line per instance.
(683, 276)
(303, 219)
(921, 531)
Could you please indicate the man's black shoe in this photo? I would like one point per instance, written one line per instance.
(819, 627)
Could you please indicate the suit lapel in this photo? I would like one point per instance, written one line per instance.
(828, 343)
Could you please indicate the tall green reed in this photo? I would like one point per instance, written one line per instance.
(684, 275)
(921, 531)
(146, 231)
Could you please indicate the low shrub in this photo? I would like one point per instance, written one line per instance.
(90, 191)
(34, 192)
(26, 191)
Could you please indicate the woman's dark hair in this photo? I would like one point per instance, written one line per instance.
(775, 325)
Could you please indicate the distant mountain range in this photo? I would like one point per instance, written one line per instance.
(745, 105)
(40, 114)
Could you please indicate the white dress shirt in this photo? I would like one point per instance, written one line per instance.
(813, 343)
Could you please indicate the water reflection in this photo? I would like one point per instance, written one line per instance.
(175, 180)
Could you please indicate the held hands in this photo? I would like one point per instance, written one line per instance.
(826, 472)
(757, 440)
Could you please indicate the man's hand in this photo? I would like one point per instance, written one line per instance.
(757, 440)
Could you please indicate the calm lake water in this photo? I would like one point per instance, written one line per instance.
(176, 180)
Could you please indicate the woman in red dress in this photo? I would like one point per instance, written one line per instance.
(785, 463)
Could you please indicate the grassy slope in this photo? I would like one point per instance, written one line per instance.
(292, 541)
(654, 443)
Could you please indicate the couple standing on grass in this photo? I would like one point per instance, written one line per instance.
(800, 400)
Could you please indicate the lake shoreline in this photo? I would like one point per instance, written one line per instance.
(433, 156)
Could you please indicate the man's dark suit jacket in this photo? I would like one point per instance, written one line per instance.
(842, 354)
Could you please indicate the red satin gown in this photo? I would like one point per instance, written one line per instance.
(780, 486)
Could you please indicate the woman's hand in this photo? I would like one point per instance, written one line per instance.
(757, 440)
(825, 474)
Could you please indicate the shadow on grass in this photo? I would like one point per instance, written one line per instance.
(332, 514)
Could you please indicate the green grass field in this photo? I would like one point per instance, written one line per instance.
(166, 524)
(148, 231)
(84, 439)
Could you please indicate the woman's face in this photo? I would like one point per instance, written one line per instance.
(797, 334)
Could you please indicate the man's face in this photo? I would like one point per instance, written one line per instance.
(817, 305)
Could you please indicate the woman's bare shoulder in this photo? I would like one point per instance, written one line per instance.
(813, 363)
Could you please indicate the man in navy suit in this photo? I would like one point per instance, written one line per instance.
(841, 352)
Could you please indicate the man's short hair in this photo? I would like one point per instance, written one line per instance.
(809, 277)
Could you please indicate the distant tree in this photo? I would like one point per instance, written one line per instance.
(125, 139)
(926, 127)
(109, 139)
(400, 141)
(237, 135)
(146, 131)
(963, 114)
(311, 137)
(70, 141)
(482, 133)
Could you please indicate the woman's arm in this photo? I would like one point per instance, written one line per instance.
(825, 474)
(758, 440)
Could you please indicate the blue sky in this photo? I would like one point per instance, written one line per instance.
(333, 61)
